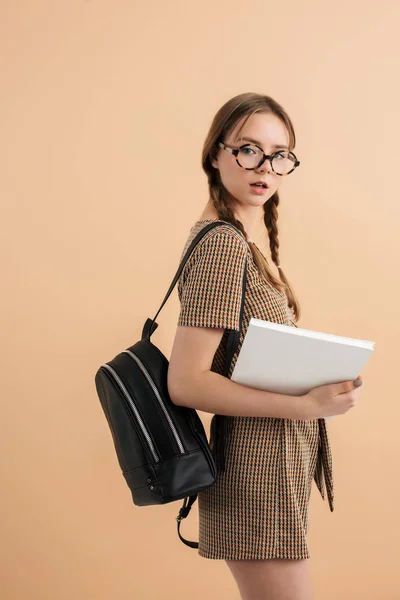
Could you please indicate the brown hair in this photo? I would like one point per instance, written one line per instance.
(240, 107)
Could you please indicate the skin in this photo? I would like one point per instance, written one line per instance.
(272, 579)
(247, 206)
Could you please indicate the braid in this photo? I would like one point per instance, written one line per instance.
(271, 223)
(221, 201)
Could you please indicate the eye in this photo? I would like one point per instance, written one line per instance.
(249, 150)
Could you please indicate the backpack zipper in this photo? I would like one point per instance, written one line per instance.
(135, 411)
(160, 400)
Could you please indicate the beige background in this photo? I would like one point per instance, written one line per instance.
(104, 109)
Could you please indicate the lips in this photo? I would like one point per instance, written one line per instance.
(262, 183)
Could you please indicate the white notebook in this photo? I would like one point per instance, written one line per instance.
(291, 360)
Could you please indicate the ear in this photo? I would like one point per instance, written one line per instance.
(214, 163)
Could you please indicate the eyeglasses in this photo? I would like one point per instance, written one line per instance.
(250, 156)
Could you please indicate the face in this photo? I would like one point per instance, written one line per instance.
(267, 131)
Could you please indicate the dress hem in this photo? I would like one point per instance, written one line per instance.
(303, 556)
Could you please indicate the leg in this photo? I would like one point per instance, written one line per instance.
(272, 579)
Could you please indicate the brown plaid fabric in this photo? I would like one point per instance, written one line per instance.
(258, 507)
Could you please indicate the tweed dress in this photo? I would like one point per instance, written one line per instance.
(258, 507)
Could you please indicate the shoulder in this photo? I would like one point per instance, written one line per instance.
(220, 248)
(225, 238)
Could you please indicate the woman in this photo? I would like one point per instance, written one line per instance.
(268, 447)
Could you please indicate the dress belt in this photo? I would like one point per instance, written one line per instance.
(323, 472)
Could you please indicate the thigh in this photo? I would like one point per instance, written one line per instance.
(272, 579)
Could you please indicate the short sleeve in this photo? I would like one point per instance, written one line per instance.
(210, 288)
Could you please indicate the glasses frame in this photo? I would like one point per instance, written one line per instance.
(270, 157)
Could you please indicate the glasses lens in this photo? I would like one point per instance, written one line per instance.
(283, 162)
(249, 157)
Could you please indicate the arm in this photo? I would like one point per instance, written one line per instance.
(191, 382)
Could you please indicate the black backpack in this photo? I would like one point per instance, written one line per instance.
(162, 448)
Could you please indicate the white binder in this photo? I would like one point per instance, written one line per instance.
(291, 360)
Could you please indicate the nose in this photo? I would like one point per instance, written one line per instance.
(266, 166)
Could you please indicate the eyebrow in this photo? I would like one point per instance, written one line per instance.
(259, 143)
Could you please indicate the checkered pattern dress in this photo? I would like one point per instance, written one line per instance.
(258, 507)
